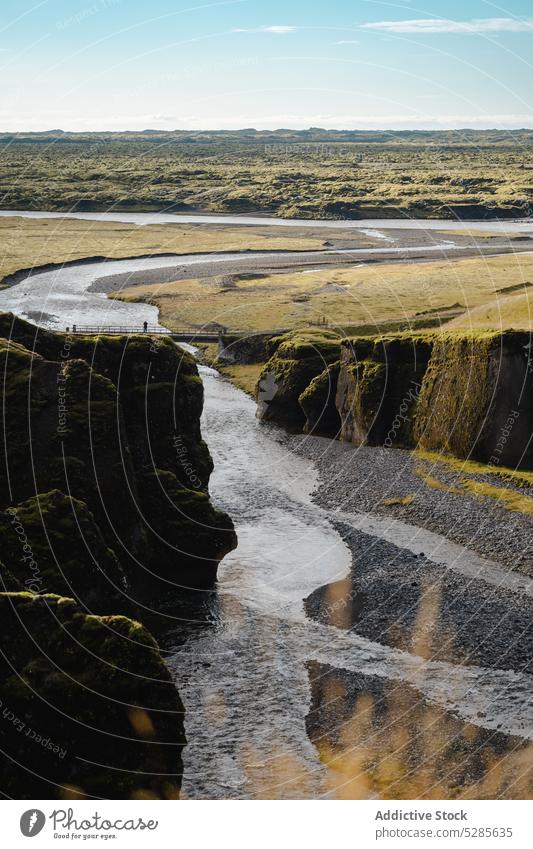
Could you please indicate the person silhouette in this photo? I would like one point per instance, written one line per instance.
(145, 326)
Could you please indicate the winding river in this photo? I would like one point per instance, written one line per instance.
(243, 678)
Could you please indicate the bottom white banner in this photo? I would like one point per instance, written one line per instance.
(312, 825)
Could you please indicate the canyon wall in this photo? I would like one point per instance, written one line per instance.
(470, 396)
(105, 516)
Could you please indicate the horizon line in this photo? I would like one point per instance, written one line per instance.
(473, 129)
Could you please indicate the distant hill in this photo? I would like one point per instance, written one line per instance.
(316, 135)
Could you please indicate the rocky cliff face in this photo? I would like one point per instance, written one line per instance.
(52, 543)
(468, 395)
(294, 361)
(115, 424)
(378, 387)
(477, 399)
(104, 500)
(318, 403)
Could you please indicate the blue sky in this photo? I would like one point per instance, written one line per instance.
(127, 64)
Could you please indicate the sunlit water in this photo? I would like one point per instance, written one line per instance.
(244, 680)
(522, 225)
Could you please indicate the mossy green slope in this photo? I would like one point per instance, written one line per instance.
(469, 395)
(53, 545)
(477, 398)
(378, 387)
(88, 706)
(96, 418)
(318, 403)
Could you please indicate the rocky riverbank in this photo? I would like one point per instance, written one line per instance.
(401, 558)
(441, 563)
(437, 573)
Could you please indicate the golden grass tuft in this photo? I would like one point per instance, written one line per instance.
(400, 501)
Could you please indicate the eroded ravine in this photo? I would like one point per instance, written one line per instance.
(243, 678)
(244, 681)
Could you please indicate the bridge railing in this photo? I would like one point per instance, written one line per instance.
(200, 333)
(149, 330)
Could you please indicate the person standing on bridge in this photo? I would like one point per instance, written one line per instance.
(145, 326)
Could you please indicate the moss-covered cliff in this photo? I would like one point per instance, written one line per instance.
(477, 398)
(104, 500)
(115, 423)
(470, 395)
(87, 706)
(51, 543)
(318, 403)
(378, 387)
(293, 361)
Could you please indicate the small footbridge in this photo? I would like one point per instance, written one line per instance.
(208, 333)
(185, 334)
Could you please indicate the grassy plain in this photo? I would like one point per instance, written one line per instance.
(514, 311)
(484, 292)
(27, 242)
(309, 174)
(364, 299)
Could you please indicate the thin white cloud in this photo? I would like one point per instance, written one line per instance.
(276, 29)
(421, 26)
(348, 41)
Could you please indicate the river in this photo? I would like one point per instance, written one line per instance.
(142, 218)
(244, 677)
(75, 294)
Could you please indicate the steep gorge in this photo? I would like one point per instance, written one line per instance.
(104, 515)
(467, 395)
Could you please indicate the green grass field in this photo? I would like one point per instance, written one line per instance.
(27, 242)
(490, 292)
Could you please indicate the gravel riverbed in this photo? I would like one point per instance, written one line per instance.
(393, 592)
